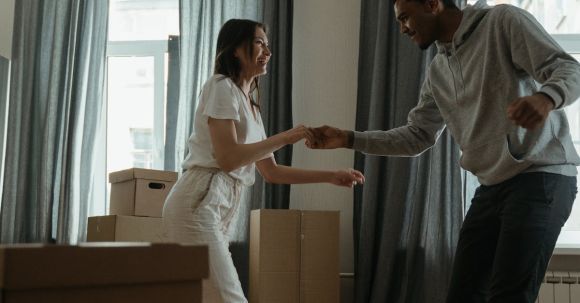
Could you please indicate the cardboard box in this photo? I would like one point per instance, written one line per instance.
(115, 228)
(140, 192)
(294, 256)
(102, 272)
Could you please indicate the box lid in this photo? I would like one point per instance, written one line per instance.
(142, 173)
(25, 266)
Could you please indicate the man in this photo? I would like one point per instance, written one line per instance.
(498, 83)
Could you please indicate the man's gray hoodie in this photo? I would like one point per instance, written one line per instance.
(497, 55)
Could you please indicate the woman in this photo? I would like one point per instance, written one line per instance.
(228, 142)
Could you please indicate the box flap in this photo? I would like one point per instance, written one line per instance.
(142, 173)
(279, 240)
(274, 255)
(320, 248)
(99, 263)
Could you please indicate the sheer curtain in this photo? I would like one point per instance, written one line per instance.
(55, 112)
(408, 214)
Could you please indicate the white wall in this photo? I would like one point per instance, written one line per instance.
(6, 26)
(325, 65)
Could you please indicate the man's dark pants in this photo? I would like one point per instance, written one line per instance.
(508, 237)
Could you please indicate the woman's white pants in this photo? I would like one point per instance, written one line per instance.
(199, 210)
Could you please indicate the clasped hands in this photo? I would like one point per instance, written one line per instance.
(326, 137)
(323, 137)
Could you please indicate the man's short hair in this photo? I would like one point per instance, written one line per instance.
(446, 3)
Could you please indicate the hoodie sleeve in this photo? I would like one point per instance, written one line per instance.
(424, 126)
(536, 52)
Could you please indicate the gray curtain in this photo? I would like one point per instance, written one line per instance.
(408, 214)
(276, 96)
(4, 87)
(55, 111)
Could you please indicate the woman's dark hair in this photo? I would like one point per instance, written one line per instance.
(446, 3)
(233, 34)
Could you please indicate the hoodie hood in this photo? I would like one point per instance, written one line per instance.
(472, 15)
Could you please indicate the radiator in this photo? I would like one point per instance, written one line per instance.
(560, 287)
(562, 281)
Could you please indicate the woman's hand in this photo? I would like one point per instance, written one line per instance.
(296, 134)
(347, 177)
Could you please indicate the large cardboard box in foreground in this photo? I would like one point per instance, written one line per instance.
(140, 192)
(294, 256)
(102, 272)
(136, 229)
(124, 229)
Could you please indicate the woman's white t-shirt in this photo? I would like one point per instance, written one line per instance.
(221, 98)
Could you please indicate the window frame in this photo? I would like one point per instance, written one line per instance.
(158, 50)
(142, 48)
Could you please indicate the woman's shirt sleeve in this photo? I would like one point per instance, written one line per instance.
(221, 100)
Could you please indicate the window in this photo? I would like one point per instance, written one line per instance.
(136, 81)
(561, 18)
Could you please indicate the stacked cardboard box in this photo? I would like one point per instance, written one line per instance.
(136, 206)
(140, 192)
(294, 256)
(102, 272)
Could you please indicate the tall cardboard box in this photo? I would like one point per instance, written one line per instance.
(294, 256)
(140, 192)
(102, 272)
(115, 228)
